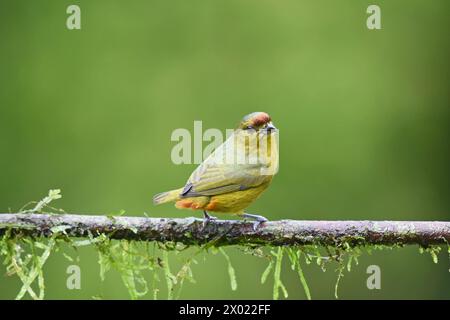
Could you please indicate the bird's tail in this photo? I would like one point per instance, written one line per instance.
(168, 196)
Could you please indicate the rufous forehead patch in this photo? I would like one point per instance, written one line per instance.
(261, 118)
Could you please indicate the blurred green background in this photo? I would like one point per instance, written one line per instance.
(363, 118)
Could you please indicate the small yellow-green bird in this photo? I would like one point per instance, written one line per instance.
(234, 175)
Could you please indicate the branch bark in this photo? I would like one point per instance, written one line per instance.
(190, 231)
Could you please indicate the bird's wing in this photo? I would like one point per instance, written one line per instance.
(209, 180)
(215, 177)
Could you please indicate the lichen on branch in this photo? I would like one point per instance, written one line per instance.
(192, 231)
(133, 246)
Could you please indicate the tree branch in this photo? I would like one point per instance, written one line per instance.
(190, 231)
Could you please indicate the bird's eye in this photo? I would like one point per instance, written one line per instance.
(249, 128)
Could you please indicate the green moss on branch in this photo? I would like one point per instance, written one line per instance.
(190, 231)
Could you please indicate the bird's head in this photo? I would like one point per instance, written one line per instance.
(258, 121)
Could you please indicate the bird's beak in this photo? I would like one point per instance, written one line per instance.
(271, 127)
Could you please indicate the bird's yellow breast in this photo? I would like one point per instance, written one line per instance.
(235, 202)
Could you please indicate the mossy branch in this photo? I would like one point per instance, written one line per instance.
(190, 231)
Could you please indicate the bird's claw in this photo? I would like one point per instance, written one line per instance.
(207, 218)
(258, 220)
(257, 223)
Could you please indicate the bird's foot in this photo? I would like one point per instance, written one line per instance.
(207, 218)
(258, 219)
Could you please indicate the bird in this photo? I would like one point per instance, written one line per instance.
(234, 175)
